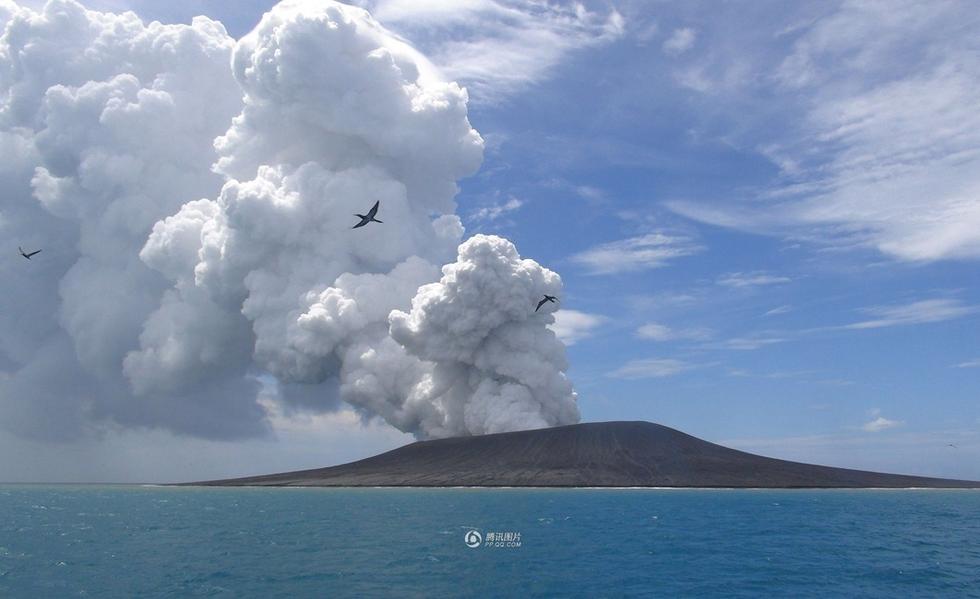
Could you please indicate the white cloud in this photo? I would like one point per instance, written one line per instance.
(779, 310)
(680, 41)
(104, 131)
(775, 375)
(653, 250)
(496, 47)
(748, 343)
(572, 326)
(491, 364)
(919, 312)
(660, 332)
(969, 364)
(750, 279)
(642, 32)
(651, 368)
(195, 196)
(495, 211)
(885, 149)
(879, 423)
(591, 194)
(271, 265)
(655, 331)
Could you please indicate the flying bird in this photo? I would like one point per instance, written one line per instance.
(26, 254)
(369, 217)
(951, 445)
(547, 298)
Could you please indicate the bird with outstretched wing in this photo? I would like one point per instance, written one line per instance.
(369, 217)
(27, 254)
(547, 298)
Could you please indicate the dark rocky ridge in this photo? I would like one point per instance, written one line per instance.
(600, 454)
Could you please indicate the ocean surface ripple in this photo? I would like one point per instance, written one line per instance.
(127, 541)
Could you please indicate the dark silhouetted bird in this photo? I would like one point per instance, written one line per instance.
(369, 217)
(547, 298)
(27, 254)
(951, 445)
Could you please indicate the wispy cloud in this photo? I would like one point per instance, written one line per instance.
(665, 300)
(969, 364)
(655, 331)
(642, 32)
(497, 47)
(879, 423)
(651, 368)
(920, 312)
(495, 211)
(653, 250)
(775, 375)
(750, 279)
(779, 310)
(680, 41)
(884, 152)
(592, 195)
(747, 343)
(572, 326)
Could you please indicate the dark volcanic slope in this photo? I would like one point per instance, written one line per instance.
(615, 454)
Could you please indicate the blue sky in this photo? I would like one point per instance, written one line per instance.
(766, 215)
(826, 332)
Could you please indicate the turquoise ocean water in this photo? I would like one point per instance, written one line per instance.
(132, 541)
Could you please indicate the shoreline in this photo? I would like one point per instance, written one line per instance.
(552, 488)
(471, 487)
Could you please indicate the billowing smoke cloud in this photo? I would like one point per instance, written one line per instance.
(195, 219)
(496, 365)
(107, 126)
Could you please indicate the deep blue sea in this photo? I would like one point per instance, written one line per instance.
(129, 541)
